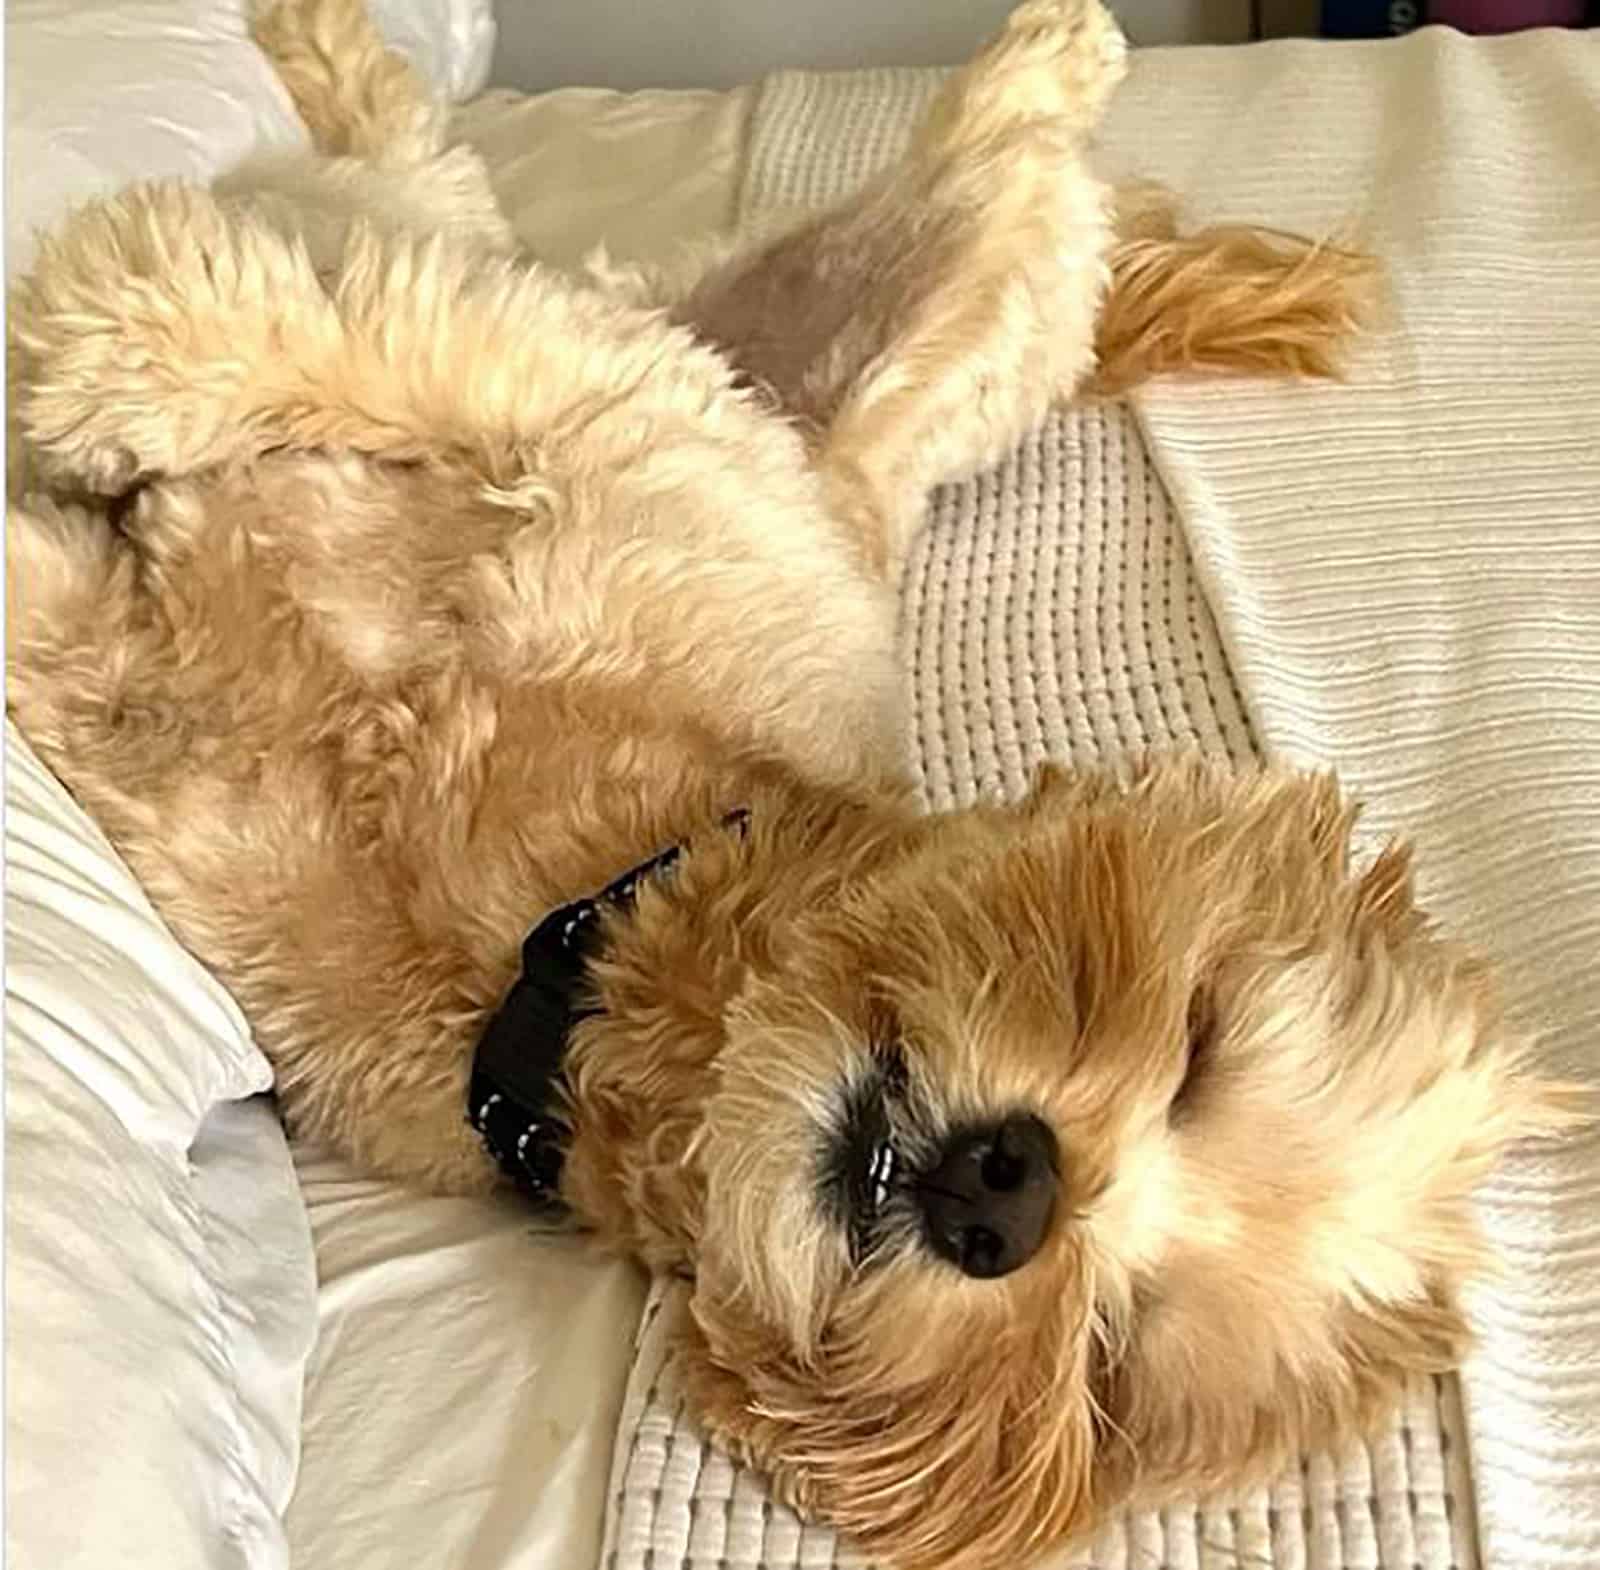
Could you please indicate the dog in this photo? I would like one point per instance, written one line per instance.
(490, 675)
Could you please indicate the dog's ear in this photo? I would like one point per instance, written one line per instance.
(918, 329)
(922, 1458)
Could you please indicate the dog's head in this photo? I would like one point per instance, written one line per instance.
(1123, 1138)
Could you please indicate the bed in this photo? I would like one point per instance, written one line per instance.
(1400, 576)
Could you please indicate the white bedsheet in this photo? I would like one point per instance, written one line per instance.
(463, 1396)
(638, 172)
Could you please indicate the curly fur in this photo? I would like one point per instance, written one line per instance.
(377, 590)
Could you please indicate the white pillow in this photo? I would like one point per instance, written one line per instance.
(103, 92)
(160, 1291)
(450, 41)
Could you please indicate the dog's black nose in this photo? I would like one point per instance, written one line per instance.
(989, 1199)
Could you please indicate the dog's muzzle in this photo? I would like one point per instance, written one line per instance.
(981, 1197)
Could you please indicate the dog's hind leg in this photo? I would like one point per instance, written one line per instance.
(357, 97)
(919, 328)
(381, 149)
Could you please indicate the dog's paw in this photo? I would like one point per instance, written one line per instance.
(83, 429)
(1062, 58)
(129, 341)
(1053, 67)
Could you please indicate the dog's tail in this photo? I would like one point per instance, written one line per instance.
(1231, 300)
(357, 97)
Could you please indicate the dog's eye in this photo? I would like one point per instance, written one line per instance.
(1200, 1028)
(862, 1168)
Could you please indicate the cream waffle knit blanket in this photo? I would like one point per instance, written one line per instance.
(1401, 577)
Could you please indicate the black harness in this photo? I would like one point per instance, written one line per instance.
(513, 1098)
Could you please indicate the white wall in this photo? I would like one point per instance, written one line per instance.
(719, 43)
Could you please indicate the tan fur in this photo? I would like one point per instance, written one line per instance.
(450, 588)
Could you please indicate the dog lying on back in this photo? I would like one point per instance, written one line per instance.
(491, 677)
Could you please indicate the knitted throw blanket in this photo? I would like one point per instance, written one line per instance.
(1400, 577)
(1406, 574)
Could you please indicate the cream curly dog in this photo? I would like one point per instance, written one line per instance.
(491, 677)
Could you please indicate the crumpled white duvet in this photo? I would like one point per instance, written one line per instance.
(159, 1287)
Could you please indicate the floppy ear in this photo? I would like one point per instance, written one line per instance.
(983, 1462)
(918, 329)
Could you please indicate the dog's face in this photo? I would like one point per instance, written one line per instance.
(1116, 1139)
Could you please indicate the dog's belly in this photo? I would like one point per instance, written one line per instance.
(628, 606)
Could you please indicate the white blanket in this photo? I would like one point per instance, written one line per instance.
(1407, 574)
